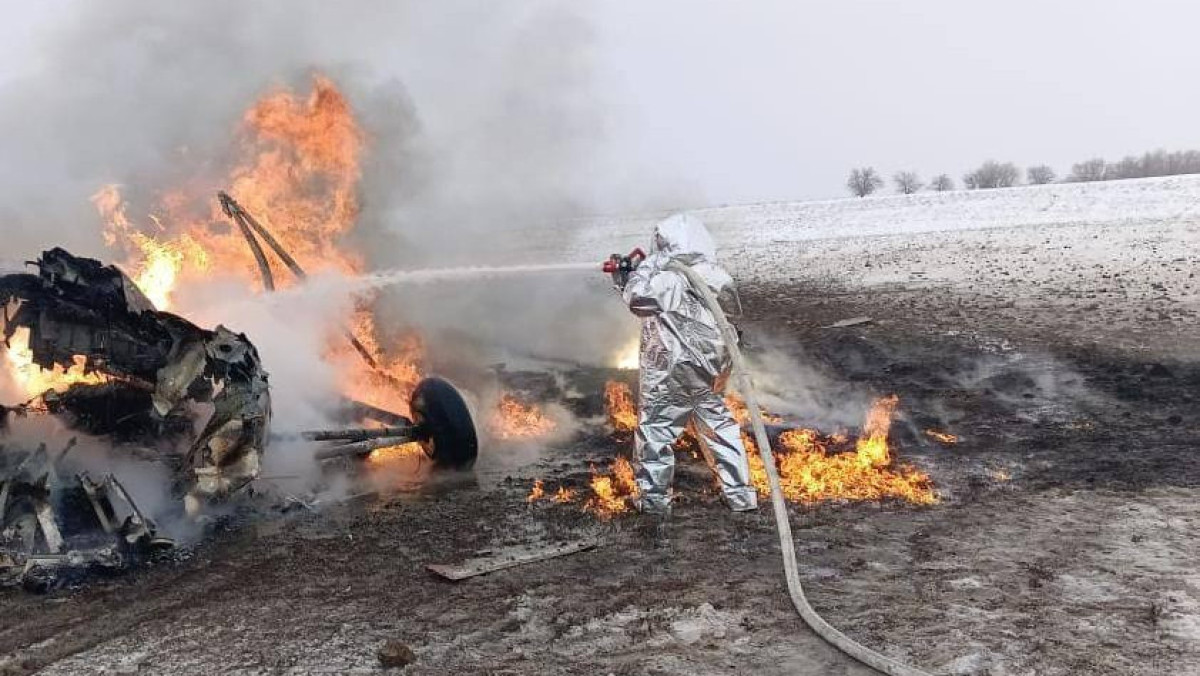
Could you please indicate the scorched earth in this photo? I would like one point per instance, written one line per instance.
(1041, 344)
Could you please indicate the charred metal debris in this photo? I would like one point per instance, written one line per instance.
(160, 378)
(55, 526)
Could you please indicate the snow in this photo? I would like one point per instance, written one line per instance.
(742, 229)
(1057, 204)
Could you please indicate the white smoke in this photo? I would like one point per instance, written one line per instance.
(789, 384)
(478, 114)
(481, 119)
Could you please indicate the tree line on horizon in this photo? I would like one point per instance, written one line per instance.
(992, 174)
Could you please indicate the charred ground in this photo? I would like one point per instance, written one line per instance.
(1062, 542)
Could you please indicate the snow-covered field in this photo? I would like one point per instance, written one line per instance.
(1109, 252)
(1134, 202)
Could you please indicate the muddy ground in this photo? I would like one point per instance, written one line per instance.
(1063, 542)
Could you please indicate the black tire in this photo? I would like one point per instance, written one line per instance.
(445, 428)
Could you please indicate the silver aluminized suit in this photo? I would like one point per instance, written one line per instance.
(683, 361)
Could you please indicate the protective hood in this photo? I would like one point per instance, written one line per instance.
(684, 238)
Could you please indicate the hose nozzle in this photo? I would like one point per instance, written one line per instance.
(620, 266)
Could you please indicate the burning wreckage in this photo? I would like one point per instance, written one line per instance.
(137, 377)
(143, 379)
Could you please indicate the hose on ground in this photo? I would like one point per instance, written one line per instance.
(786, 544)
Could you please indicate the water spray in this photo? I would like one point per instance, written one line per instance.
(617, 265)
(386, 278)
(337, 284)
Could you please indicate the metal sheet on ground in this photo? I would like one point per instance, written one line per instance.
(508, 557)
(853, 321)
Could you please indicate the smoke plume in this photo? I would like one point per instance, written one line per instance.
(480, 117)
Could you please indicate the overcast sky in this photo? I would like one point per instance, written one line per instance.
(778, 99)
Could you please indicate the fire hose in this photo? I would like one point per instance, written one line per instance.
(783, 527)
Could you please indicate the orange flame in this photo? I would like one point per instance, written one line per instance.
(396, 375)
(812, 468)
(35, 380)
(623, 416)
(942, 437)
(561, 496)
(390, 455)
(741, 412)
(872, 446)
(156, 264)
(611, 493)
(296, 168)
(538, 492)
(618, 403)
(514, 419)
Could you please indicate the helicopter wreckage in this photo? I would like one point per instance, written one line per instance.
(154, 386)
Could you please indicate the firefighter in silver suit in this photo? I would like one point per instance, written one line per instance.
(684, 363)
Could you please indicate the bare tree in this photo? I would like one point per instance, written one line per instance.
(942, 183)
(1094, 169)
(1041, 174)
(1155, 163)
(993, 174)
(863, 182)
(1129, 167)
(1186, 162)
(907, 182)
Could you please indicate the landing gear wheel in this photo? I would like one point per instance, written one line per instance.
(444, 424)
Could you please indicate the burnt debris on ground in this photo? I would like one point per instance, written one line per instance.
(59, 526)
(95, 356)
(1066, 459)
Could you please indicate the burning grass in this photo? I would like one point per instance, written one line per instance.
(741, 412)
(609, 494)
(812, 467)
(942, 437)
(515, 419)
(613, 492)
(815, 468)
(620, 407)
(537, 493)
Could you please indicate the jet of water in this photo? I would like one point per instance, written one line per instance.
(378, 280)
(325, 285)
